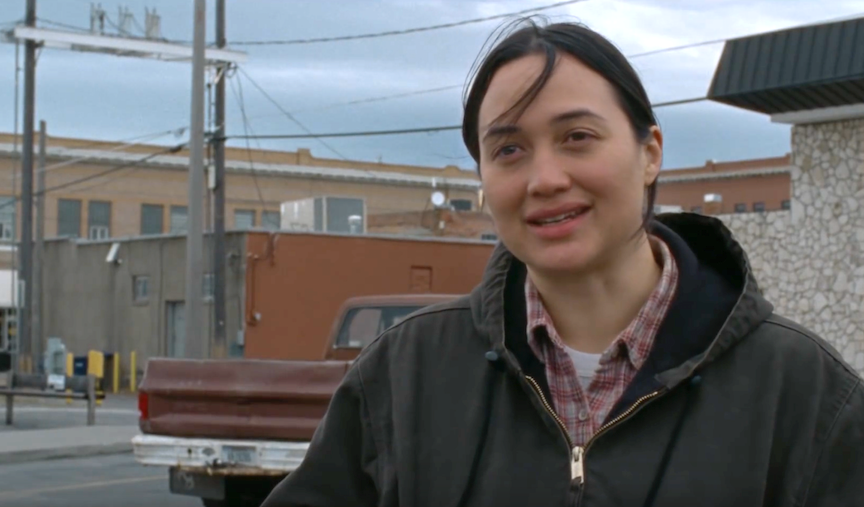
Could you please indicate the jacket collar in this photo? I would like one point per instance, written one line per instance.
(717, 302)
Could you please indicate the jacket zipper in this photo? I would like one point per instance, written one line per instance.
(576, 467)
(577, 453)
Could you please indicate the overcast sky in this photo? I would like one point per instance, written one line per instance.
(112, 98)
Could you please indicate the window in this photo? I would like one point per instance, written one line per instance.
(362, 325)
(696, 209)
(7, 217)
(140, 289)
(152, 216)
(209, 287)
(488, 236)
(69, 218)
(461, 204)
(244, 218)
(741, 207)
(759, 206)
(271, 220)
(98, 220)
(178, 219)
(785, 204)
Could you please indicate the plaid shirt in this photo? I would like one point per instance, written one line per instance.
(583, 411)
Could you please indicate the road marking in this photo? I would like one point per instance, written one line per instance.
(73, 487)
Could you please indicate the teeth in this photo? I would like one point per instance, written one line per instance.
(559, 218)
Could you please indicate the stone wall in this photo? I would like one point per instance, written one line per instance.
(810, 261)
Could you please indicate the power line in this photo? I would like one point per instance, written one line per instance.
(246, 129)
(63, 25)
(403, 32)
(128, 143)
(288, 114)
(173, 149)
(421, 130)
(378, 99)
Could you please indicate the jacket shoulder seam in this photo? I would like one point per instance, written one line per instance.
(839, 360)
(424, 313)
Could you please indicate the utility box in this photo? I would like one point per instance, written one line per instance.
(54, 362)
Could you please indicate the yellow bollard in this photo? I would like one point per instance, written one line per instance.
(96, 367)
(70, 370)
(116, 387)
(133, 371)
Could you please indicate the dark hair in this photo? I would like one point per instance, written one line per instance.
(578, 41)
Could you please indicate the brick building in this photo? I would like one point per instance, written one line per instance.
(99, 190)
(729, 187)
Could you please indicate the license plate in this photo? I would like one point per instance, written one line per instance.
(238, 455)
(183, 482)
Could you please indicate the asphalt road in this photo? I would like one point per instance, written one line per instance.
(106, 481)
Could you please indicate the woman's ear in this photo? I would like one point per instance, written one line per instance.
(653, 155)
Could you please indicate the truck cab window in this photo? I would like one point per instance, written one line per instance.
(362, 325)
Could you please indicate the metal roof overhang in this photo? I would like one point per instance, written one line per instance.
(800, 69)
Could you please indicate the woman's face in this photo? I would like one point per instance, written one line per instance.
(565, 183)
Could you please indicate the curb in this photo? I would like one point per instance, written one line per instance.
(83, 451)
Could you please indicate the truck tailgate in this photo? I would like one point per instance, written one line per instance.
(237, 399)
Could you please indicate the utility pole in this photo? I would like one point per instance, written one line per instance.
(39, 254)
(26, 251)
(219, 311)
(195, 347)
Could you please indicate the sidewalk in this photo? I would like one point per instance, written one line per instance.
(36, 445)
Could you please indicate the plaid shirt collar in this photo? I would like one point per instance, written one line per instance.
(636, 340)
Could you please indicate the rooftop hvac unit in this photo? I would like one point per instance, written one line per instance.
(325, 214)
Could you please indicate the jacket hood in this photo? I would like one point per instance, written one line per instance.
(717, 302)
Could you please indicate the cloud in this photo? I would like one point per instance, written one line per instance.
(110, 98)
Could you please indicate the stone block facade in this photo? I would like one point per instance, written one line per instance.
(810, 261)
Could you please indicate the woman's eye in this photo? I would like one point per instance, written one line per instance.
(507, 150)
(579, 136)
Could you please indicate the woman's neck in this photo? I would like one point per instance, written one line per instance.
(590, 310)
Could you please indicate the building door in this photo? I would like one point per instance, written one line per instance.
(176, 331)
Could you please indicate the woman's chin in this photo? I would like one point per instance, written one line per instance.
(563, 258)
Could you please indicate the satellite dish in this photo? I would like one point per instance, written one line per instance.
(438, 198)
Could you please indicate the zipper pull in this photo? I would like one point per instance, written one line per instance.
(577, 468)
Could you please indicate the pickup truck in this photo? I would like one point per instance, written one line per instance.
(229, 430)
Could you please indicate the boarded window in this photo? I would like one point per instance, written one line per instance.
(141, 288)
(152, 216)
(179, 219)
(244, 218)
(7, 217)
(69, 218)
(271, 220)
(420, 279)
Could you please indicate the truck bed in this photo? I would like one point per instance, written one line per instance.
(237, 399)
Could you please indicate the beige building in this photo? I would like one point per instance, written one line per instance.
(100, 190)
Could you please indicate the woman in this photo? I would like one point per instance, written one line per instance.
(608, 358)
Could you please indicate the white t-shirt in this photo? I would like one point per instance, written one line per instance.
(586, 365)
